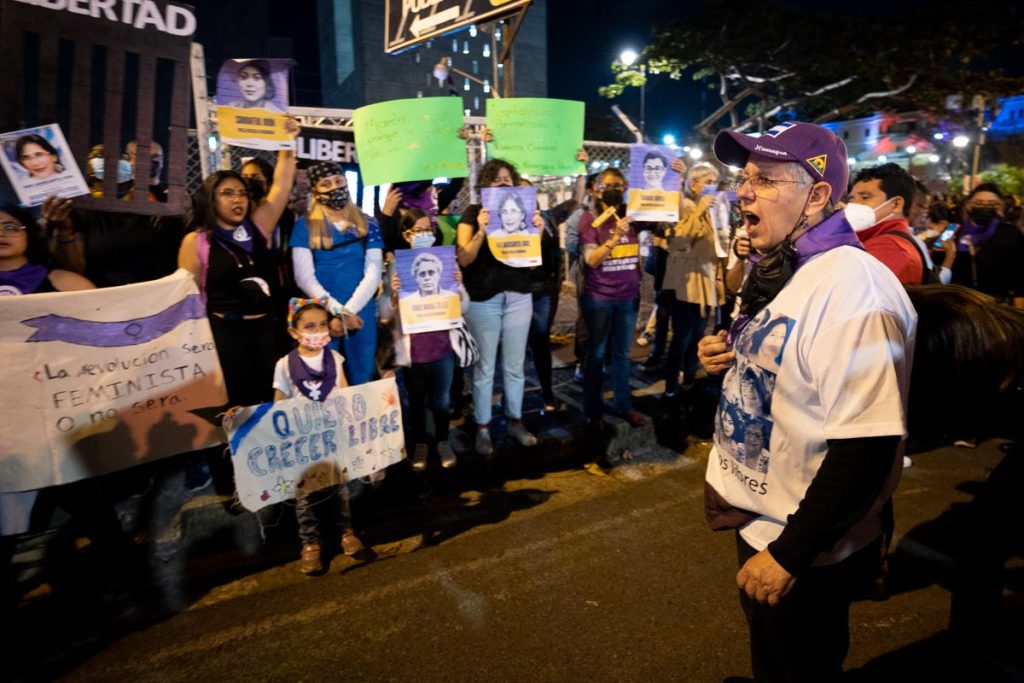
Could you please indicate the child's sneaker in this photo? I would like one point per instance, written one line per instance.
(309, 562)
(419, 457)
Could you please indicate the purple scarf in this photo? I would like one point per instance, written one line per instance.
(232, 235)
(25, 279)
(834, 231)
(423, 198)
(314, 385)
(978, 234)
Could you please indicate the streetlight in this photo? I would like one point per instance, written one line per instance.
(444, 67)
(961, 141)
(629, 57)
(696, 153)
(668, 139)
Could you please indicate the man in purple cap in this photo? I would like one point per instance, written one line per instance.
(818, 364)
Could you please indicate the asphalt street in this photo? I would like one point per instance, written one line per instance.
(564, 577)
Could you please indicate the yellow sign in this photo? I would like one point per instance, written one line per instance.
(429, 313)
(254, 128)
(518, 251)
(653, 205)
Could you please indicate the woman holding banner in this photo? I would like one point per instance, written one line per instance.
(499, 312)
(337, 252)
(690, 288)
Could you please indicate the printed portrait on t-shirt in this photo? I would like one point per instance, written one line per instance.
(744, 426)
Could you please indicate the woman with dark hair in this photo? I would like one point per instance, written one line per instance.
(967, 361)
(25, 259)
(512, 214)
(256, 87)
(767, 342)
(230, 254)
(499, 312)
(37, 156)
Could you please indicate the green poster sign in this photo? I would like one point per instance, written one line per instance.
(538, 136)
(415, 139)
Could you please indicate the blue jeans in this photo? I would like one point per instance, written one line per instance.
(687, 324)
(503, 318)
(429, 387)
(604, 319)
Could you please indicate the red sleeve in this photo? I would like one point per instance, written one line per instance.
(896, 254)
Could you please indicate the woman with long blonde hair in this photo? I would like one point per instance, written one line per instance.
(337, 252)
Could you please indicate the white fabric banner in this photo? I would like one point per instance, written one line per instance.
(100, 380)
(282, 449)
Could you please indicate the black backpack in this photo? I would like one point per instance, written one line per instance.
(929, 276)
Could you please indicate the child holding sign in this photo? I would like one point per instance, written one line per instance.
(428, 357)
(313, 371)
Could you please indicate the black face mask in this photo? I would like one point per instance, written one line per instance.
(612, 197)
(336, 199)
(768, 277)
(256, 188)
(981, 215)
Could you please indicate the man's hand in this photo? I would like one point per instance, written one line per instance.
(763, 579)
(679, 166)
(714, 354)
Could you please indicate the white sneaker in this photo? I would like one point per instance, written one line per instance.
(518, 432)
(483, 443)
(907, 462)
(419, 457)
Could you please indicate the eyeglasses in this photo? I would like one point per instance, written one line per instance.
(12, 228)
(761, 185)
(231, 194)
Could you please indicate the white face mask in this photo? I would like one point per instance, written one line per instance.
(865, 215)
(315, 340)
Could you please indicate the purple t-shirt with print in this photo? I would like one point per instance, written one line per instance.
(618, 276)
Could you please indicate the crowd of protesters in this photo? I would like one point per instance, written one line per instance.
(250, 243)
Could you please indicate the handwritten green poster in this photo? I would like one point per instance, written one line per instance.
(538, 136)
(415, 139)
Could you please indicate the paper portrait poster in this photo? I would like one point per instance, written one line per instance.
(653, 185)
(252, 100)
(429, 296)
(511, 235)
(39, 164)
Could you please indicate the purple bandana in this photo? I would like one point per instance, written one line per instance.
(23, 280)
(834, 231)
(978, 234)
(314, 385)
(239, 237)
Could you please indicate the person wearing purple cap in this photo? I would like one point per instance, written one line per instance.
(830, 400)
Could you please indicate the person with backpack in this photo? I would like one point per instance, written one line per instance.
(888, 191)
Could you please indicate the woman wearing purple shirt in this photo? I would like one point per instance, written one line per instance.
(611, 291)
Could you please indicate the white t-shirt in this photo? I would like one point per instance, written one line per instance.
(828, 358)
(283, 379)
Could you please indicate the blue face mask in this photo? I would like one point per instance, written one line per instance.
(422, 240)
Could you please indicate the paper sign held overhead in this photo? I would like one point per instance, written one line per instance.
(538, 136)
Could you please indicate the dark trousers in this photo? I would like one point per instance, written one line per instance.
(545, 304)
(329, 504)
(610, 327)
(687, 324)
(806, 636)
(247, 358)
(661, 320)
(429, 388)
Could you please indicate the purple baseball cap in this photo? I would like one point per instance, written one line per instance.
(817, 149)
